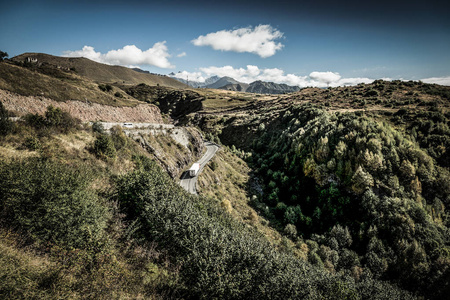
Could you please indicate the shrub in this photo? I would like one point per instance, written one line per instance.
(118, 137)
(105, 87)
(219, 257)
(35, 120)
(6, 125)
(104, 147)
(51, 203)
(55, 118)
(98, 127)
(62, 120)
(32, 143)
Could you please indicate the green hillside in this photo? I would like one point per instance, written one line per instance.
(340, 193)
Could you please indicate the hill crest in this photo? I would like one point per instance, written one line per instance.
(99, 72)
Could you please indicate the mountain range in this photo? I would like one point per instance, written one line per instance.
(231, 84)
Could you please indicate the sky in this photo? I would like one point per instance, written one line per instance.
(304, 43)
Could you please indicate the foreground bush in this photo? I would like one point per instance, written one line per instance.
(219, 257)
(51, 202)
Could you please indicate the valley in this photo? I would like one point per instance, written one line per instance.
(309, 193)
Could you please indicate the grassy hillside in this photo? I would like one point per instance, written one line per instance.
(340, 193)
(361, 174)
(101, 73)
(58, 85)
(89, 215)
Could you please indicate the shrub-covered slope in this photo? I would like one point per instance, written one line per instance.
(89, 215)
(362, 189)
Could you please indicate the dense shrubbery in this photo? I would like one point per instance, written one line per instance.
(219, 257)
(105, 87)
(51, 202)
(54, 119)
(104, 146)
(367, 193)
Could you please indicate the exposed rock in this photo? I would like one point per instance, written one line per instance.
(85, 111)
(177, 103)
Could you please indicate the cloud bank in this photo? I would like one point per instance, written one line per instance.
(129, 55)
(193, 76)
(253, 73)
(437, 80)
(259, 40)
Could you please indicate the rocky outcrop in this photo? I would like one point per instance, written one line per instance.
(163, 146)
(177, 103)
(85, 111)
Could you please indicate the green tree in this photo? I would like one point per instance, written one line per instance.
(104, 147)
(3, 55)
(361, 181)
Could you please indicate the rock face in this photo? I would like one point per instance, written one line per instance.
(85, 111)
(177, 103)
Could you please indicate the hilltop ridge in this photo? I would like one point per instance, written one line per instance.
(100, 72)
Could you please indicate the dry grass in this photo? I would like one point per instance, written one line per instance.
(26, 82)
(101, 72)
(228, 184)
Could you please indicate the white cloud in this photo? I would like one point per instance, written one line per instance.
(253, 73)
(437, 80)
(259, 40)
(182, 54)
(325, 77)
(129, 55)
(192, 76)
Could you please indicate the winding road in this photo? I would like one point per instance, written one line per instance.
(187, 182)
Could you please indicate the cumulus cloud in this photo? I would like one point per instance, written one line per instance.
(325, 77)
(253, 73)
(437, 80)
(129, 55)
(259, 40)
(192, 76)
(182, 54)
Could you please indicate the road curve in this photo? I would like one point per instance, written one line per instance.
(187, 182)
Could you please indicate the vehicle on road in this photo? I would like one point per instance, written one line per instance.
(194, 169)
(128, 125)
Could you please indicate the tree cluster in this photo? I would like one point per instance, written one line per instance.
(342, 172)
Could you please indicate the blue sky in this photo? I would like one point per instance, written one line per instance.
(294, 42)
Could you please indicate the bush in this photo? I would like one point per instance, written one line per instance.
(32, 143)
(105, 87)
(55, 118)
(6, 125)
(98, 127)
(51, 203)
(118, 137)
(104, 147)
(3, 55)
(220, 258)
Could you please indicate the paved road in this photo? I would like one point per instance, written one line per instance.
(187, 182)
(131, 125)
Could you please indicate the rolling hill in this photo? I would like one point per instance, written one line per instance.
(100, 72)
